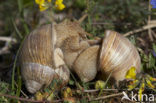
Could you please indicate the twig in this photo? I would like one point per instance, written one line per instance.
(5, 49)
(21, 99)
(149, 19)
(57, 101)
(82, 18)
(115, 90)
(29, 100)
(106, 97)
(152, 22)
(154, 34)
(96, 90)
(8, 39)
(107, 23)
(140, 29)
(142, 41)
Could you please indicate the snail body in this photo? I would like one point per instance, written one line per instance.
(72, 50)
(40, 60)
(68, 29)
(117, 56)
(71, 38)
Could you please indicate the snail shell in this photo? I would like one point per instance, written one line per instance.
(117, 56)
(40, 61)
(86, 64)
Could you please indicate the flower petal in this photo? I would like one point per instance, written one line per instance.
(49, 1)
(60, 6)
(149, 84)
(141, 89)
(131, 73)
(40, 1)
(43, 7)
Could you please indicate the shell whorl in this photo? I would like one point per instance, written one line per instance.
(86, 64)
(36, 76)
(118, 55)
(38, 47)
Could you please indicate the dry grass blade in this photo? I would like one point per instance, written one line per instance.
(8, 39)
(149, 19)
(21, 99)
(82, 18)
(5, 49)
(106, 97)
(140, 29)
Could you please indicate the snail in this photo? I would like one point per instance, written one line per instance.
(114, 56)
(117, 56)
(40, 60)
(49, 51)
(86, 63)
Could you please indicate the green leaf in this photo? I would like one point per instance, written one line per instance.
(151, 63)
(154, 47)
(71, 82)
(84, 100)
(20, 5)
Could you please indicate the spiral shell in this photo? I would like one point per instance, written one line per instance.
(86, 64)
(40, 61)
(117, 56)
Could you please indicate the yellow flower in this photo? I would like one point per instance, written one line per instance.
(49, 1)
(151, 78)
(58, 1)
(141, 89)
(131, 73)
(149, 84)
(39, 2)
(43, 7)
(59, 5)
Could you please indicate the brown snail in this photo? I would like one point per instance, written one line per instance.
(86, 64)
(40, 60)
(117, 56)
(48, 52)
